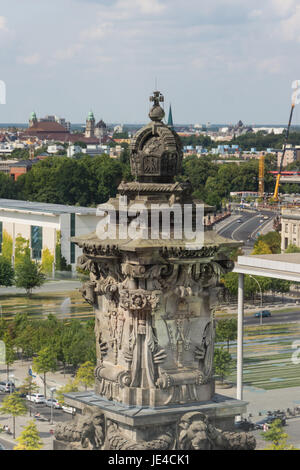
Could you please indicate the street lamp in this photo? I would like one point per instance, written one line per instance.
(52, 390)
(261, 297)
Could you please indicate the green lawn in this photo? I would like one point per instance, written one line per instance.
(268, 356)
(62, 304)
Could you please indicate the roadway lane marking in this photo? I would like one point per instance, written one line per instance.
(240, 226)
(260, 227)
(234, 222)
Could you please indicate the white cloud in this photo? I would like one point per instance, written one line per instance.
(3, 23)
(290, 27)
(68, 53)
(283, 7)
(32, 59)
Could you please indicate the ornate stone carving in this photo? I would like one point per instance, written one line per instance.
(196, 433)
(85, 433)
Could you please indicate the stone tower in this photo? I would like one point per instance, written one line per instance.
(154, 322)
(32, 119)
(90, 125)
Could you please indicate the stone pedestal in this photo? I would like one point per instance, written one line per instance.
(161, 428)
(152, 295)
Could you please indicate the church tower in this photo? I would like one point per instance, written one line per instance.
(90, 125)
(170, 118)
(32, 119)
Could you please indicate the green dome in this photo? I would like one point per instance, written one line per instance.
(32, 115)
(90, 116)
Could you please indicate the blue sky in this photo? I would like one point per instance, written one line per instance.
(216, 60)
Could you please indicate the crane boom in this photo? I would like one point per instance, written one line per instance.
(275, 197)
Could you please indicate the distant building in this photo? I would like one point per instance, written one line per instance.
(50, 130)
(292, 154)
(290, 228)
(90, 125)
(21, 168)
(5, 165)
(52, 149)
(72, 150)
(42, 223)
(101, 130)
(119, 129)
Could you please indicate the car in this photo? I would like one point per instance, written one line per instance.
(261, 221)
(7, 387)
(270, 420)
(37, 398)
(244, 425)
(53, 402)
(263, 313)
(69, 409)
(239, 221)
(266, 217)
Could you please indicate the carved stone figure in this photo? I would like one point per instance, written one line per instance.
(196, 433)
(86, 432)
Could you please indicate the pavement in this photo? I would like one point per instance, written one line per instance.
(49, 286)
(53, 379)
(261, 401)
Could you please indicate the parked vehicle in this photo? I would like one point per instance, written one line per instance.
(69, 409)
(7, 387)
(269, 420)
(37, 398)
(53, 402)
(263, 313)
(244, 425)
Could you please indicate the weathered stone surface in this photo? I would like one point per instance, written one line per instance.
(193, 431)
(152, 299)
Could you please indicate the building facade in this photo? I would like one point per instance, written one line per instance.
(45, 226)
(290, 228)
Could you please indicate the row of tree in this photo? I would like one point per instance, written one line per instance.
(50, 343)
(27, 274)
(88, 181)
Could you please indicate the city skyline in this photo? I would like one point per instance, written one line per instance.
(217, 62)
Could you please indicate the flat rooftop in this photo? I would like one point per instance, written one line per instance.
(280, 266)
(43, 207)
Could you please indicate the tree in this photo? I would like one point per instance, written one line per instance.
(14, 406)
(29, 438)
(71, 386)
(46, 361)
(85, 374)
(7, 273)
(277, 437)
(226, 330)
(28, 387)
(272, 240)
(261, 248)
(28, 275)
(222, 363)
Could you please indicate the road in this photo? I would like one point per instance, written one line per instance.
(247, 227)
(275, 318)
